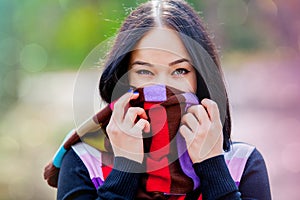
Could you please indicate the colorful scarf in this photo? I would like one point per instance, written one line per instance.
(168, 166)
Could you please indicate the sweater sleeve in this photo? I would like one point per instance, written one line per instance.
(74, 181)
(121, 183)
(216, 181)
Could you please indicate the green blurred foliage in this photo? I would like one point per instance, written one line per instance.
(9, 49)
(68, 30)
(38, 36)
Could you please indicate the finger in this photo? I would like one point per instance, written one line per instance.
(132, 113)
(141, 125)
(121, 105)
(191, 122)
(187, 134)
(212, 109)
(200, 113)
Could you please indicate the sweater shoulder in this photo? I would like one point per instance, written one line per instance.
(239, 150)
(237, 158)
(73, 177)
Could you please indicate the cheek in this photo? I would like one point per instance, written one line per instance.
(132, 80)
(132, 77)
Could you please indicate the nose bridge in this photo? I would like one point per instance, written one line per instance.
(163, 76)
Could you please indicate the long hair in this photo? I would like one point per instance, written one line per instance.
(182, 18)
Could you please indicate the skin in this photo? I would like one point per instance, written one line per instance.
(161, 58)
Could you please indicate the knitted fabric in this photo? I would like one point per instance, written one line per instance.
(168, 168)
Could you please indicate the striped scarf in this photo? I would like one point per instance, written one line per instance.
(169, 168)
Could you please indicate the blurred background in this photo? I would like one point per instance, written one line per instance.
(44, 43)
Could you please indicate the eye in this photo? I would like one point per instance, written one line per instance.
(180, 71)
(144, 72)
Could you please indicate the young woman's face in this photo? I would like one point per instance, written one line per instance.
(161, 58)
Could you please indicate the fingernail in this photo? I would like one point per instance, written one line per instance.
(130, 89)
(135, 92)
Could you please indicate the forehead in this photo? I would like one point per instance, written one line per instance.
(161, 41)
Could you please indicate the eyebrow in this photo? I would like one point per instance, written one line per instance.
(170, 64)
(179, 61)
(141, 63)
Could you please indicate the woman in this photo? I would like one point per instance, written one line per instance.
(165, 43)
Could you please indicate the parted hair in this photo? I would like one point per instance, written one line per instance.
(178, 16)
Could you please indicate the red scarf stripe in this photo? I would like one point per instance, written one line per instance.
(178, 178)
(106, 170)
(158, 180)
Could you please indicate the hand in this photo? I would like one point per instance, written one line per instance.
(202, 130)
(124, 134)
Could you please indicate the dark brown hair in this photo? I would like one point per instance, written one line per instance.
(179, 16)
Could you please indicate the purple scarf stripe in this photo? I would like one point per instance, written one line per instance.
(97, 182)
(184, 158)
(155, 93)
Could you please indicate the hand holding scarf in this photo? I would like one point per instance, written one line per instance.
(164, 171)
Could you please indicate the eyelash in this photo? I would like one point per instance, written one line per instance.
(182, 70)
(176, 72)
(144, 72)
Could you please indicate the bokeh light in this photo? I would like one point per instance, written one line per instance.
(268, 6)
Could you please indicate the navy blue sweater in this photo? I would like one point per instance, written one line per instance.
(216, 183)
